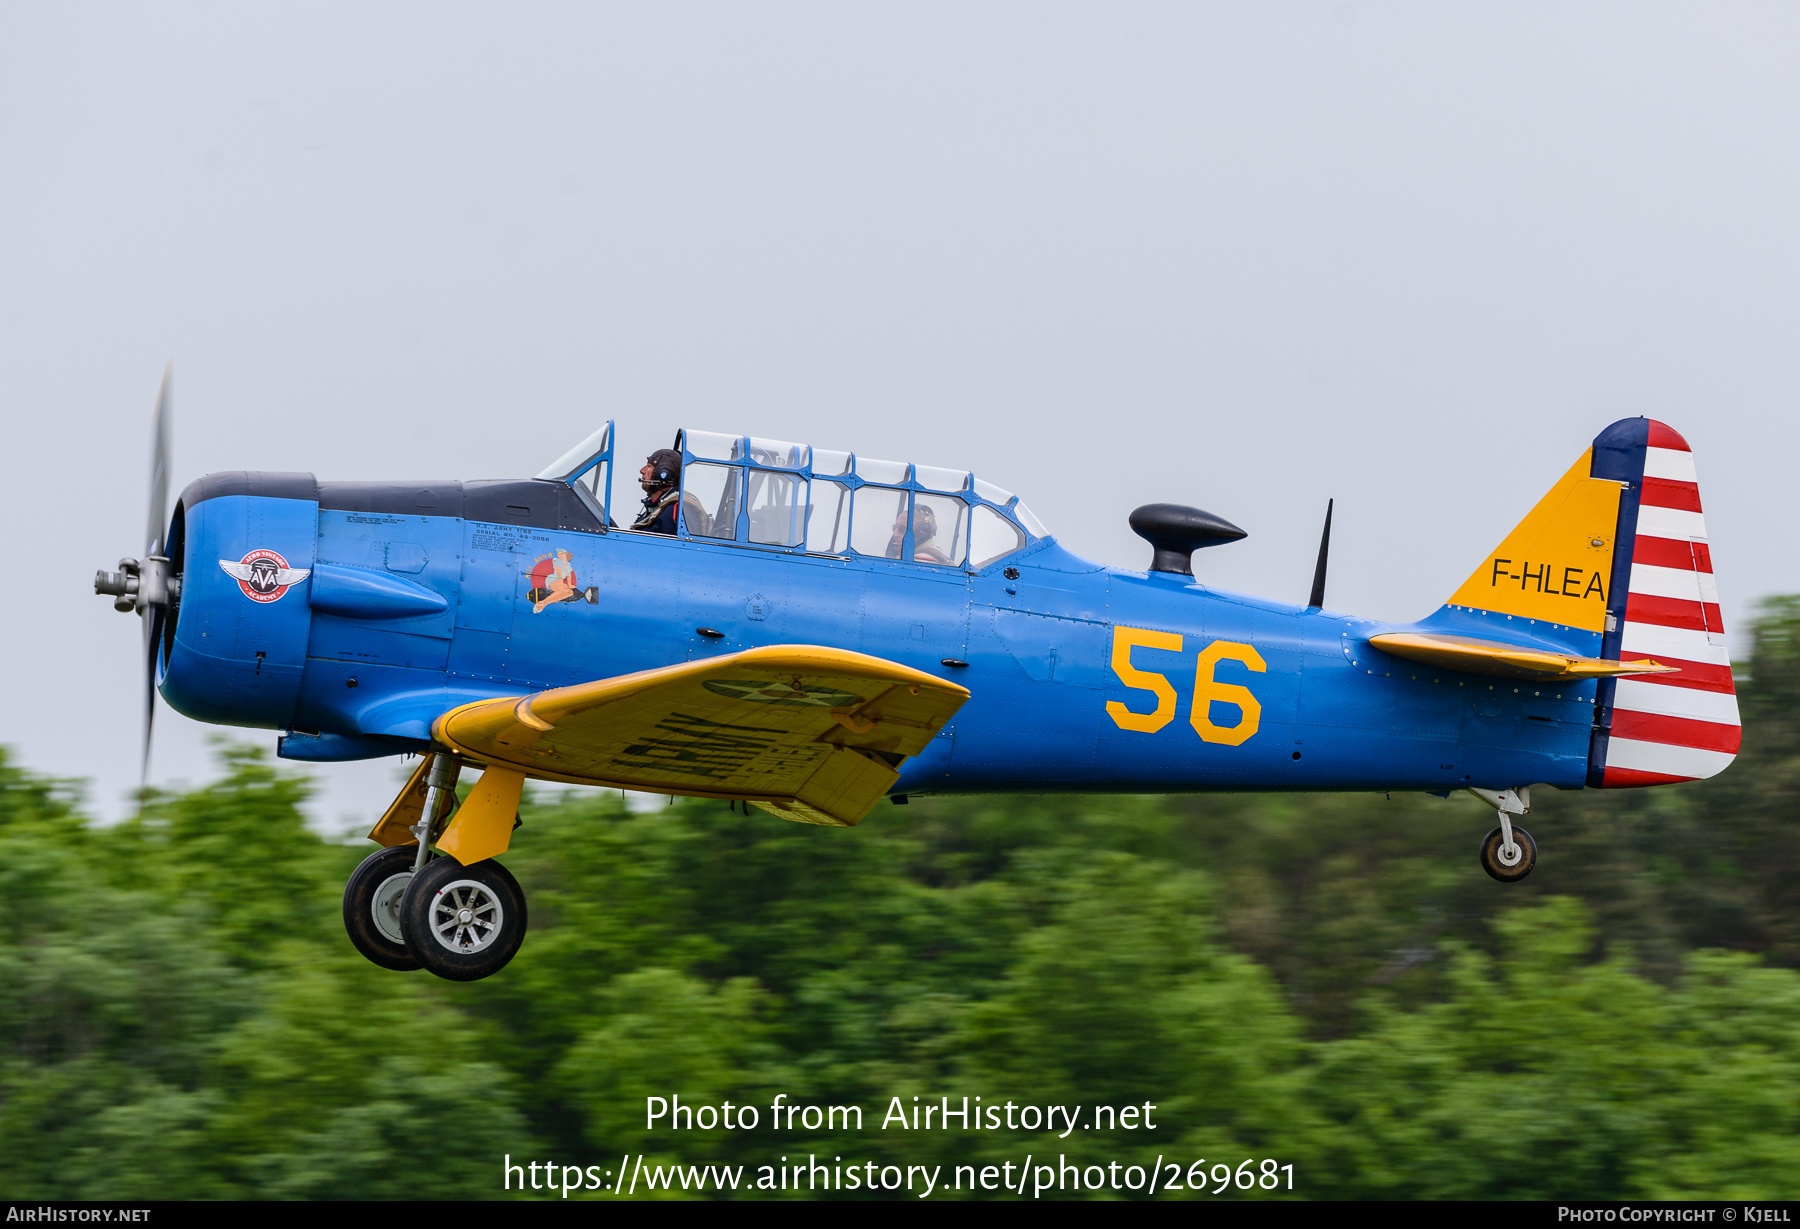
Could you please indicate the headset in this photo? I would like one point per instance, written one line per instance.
(661, 472)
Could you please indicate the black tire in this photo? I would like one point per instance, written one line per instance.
(371, 906)
(479, 943)
(1490, 855)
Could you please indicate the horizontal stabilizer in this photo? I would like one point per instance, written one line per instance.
(1501, 660)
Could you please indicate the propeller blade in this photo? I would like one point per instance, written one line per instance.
(159, 469)
(153, 606)
(153, 627)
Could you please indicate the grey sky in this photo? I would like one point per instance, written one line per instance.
(1413, 256)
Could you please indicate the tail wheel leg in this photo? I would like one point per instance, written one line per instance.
(1507, 853)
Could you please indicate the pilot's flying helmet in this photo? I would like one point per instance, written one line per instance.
(924, 523)
(665, 465)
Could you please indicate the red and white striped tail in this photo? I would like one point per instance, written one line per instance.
(1681, 726)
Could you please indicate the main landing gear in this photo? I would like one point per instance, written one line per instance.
(1508, 853)
(406, 908)
(372, 906)
(463, 922)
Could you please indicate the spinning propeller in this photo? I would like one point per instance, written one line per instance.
(149, 585)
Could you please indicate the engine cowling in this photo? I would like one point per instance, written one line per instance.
(243, 546)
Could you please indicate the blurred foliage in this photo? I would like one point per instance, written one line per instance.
(1327, 980)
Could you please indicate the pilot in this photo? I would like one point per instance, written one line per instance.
(924, 530)
(661, 480)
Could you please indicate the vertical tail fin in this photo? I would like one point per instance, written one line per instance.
(1661, 604)
(1553, 573)
(1614, 561)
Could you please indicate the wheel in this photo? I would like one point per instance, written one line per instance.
(1524, 859)
(463, 922)
(372, 906)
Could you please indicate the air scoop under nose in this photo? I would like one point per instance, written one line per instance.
(362, 593)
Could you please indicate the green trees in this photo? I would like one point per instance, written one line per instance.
(1542, 1075)
(1327, 981)
(180, 1020)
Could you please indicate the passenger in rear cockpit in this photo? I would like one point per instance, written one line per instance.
(661, 479)
(924, 530)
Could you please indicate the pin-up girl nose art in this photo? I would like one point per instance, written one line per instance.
(553, 580)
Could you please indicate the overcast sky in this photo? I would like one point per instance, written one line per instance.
(1247, 256)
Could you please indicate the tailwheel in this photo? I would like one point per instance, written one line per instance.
(1508, 860)
(461, 922)
(372, 906)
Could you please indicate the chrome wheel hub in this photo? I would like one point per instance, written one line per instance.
(466, 916)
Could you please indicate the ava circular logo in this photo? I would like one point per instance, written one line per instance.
(264, 575)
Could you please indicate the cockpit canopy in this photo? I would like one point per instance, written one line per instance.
(774, 495)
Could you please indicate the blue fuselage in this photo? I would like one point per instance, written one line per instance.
(405, 614)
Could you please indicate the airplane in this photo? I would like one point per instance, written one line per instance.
(822, 630)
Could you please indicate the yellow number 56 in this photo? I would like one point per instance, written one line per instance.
(1126, 639)
(1206, 688)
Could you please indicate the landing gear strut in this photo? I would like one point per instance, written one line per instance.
(408, 908)
(1507, 853)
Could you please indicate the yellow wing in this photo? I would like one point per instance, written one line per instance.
(811, 734)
